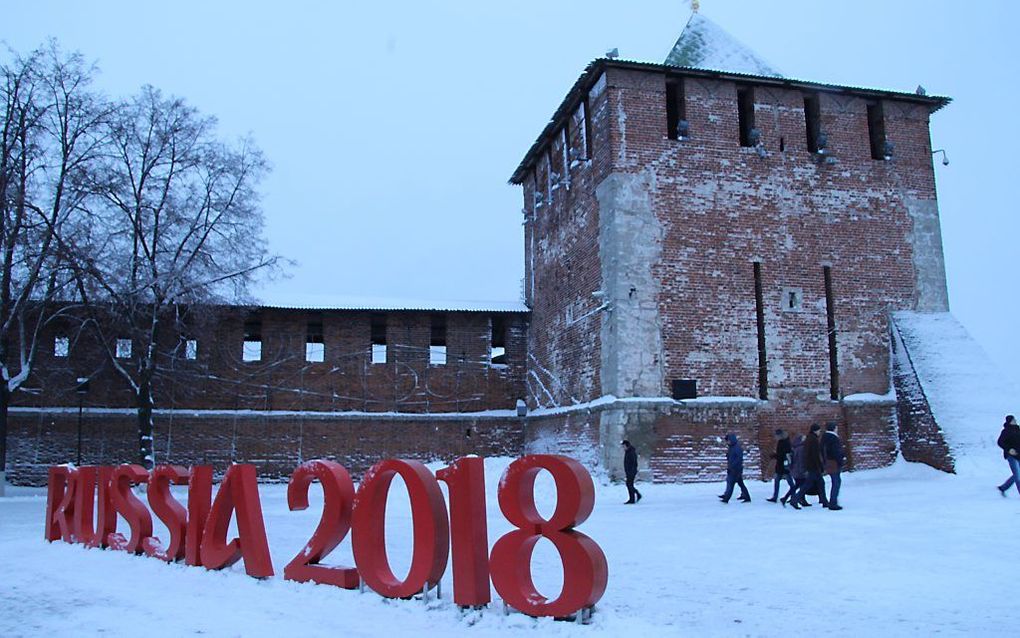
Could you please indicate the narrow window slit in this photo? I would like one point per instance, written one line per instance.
(677, 127)
(315, 344)
(749, 135)
(813, 123)
(437, 341)
(378, 334)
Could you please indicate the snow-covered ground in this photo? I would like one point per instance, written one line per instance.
(915, 552)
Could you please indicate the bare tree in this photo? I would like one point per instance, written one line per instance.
(178, 224)
(50, 134)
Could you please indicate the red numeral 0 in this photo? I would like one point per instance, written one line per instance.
(335, 522)
(585, 571)
(431, 529)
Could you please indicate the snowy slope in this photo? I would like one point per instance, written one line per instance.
(967, 394)
(705, 45)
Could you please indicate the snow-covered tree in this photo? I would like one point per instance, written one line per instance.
(51, 131)
(177, 224)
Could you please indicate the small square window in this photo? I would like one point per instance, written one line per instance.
(251, 351)
(123, 348)
(437, 355)
(792, 300)
(378, 353)
(191, 349)
(315, 352)
(61, 347)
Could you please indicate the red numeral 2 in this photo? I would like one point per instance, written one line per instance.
(335, 522)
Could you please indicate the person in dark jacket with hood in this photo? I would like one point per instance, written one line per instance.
(812, 470)
(833, 460)
(784, 457)
(630, 470)
(1009, 441)
(734, 470)
(797, 470)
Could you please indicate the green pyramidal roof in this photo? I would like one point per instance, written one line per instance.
(705, 45)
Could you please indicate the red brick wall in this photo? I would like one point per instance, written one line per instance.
(563, 269)
(276, 445)
(686, 442)
(284, 380)
(724, 207)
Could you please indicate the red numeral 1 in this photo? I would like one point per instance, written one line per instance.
(431, 529)
(334, 523)
(468, 530)
(585, 571)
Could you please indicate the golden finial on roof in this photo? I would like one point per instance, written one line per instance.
(695, 5)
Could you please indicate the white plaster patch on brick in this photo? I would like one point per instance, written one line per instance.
(630, 238)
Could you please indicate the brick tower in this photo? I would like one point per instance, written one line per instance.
(714, 247)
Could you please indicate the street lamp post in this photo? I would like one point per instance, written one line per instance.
(81, 390)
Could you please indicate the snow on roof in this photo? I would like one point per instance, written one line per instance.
(705, 45)
(345, 302)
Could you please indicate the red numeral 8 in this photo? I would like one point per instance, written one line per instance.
(585, 571)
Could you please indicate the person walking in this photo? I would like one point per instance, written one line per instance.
(1009, 441)
(783, 456)
(734, 470)
(630, 470)
(812, 470)
(797, 471)
(833, 460)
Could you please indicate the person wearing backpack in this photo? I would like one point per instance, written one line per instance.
(784, 457)
(1009, 441)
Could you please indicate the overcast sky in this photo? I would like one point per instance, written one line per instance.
(393, 127)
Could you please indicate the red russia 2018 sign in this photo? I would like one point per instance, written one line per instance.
(198, 533)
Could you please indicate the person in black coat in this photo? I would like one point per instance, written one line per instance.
(630, 470)
(1009, 441)
(833, 460)
(812, 470)
(734, 470)
(784, 458)
(797, 470)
